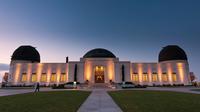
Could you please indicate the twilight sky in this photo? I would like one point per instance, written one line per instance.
(134, 30)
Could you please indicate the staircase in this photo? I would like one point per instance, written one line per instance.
(100, 86)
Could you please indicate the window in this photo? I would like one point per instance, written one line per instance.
(62, 78)
(174, 77)
(145, 77)
(34, 78)
(164, 77)
(24, 77)
(53, 78)
(154, 77)
(43, 78)
(135, 78)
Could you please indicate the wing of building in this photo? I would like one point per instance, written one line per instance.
(99, 66)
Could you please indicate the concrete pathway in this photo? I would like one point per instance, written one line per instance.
(7, 92)
(99, 101)
(175, 89)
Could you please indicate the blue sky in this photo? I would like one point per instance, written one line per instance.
(134, 30)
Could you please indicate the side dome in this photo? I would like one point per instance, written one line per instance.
(99, 53)
(26, 53)
(172, 52)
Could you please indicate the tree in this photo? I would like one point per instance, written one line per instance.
(75, 73)
(123, 74)
(192, 76)
(5, 77)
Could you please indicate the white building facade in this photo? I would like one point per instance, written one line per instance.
(99, 66)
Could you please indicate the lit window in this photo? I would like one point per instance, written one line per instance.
(164, 77)
(135, 78)
(155, 77)
(62, 78)
(145, 77)
(97, 68)
(43, 78)
(24, 77)
(101, 68)
(34, 78)
(174, 77)
(53, 78)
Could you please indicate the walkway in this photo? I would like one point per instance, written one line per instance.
(7, 92)
(175, 89)
(99, 101)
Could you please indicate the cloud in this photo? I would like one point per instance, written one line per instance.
(4, 67)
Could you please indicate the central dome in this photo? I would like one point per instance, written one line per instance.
(99, 53)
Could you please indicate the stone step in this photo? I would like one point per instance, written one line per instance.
(100, 85)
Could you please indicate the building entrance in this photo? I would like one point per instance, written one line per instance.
(99, 74)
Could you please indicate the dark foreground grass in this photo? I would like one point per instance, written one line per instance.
(156, 101)
(57, 101)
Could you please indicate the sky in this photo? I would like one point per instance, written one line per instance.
(134, 30)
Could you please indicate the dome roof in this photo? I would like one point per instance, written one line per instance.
(99, 53)
(172, 52)
(26, 53)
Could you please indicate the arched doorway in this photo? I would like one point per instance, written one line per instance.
(99, 74)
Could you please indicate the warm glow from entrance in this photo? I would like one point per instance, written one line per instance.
(99, 74)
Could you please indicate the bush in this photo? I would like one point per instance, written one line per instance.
(175, 85)
(60, 86)
(166, 85)
(140, 86)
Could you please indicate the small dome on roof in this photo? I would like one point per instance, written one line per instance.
(99, 53)
(172, 52)
(26, 53)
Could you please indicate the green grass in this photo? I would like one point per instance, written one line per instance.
(156, 101)
(57, 101)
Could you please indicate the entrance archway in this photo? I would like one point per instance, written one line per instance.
(99, 74)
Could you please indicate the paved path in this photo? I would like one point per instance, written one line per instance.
(99, 101)
(177, 89)
(7, 92)
(173, 89)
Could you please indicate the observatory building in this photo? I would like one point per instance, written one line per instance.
(99, 66)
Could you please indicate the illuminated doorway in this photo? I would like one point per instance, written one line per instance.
(99, 74)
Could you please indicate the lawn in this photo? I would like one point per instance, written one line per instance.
(57, 101)
(156, 101)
